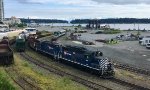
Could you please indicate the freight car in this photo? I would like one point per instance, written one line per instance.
(20, 44)
(6, 53)
(79, 56)
(32, 40)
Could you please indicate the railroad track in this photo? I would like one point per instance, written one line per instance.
(131, 85)
(90, 84)
(132, 69)
(20, 81)
(85, 82)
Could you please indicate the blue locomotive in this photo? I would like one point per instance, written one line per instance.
(92, 60)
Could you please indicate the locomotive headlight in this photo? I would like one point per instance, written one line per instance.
(106, 59)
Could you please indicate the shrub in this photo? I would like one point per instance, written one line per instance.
(114, 31)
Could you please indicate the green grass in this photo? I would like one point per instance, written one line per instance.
(112, 42)
(66, 84)
(45, 80)
(25, 64)
(4, 83)
(111, 31)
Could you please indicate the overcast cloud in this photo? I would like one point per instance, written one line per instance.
(66, 2)
(122, 2)
(71, 9)
(117, 2)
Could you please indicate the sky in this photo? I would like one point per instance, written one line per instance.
(77, 9)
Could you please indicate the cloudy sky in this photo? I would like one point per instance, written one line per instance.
(71, 9)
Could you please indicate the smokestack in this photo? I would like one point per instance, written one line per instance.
(1, 10)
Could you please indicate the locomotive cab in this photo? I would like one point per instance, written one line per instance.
(98, 53)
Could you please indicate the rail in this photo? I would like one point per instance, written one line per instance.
(75, 78)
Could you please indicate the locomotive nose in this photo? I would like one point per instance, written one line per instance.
(110, 69)
(109, 73)
(109, 66)
(106, 67)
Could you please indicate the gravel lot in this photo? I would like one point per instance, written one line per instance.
(129, 52)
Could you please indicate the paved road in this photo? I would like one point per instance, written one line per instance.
(139, 59)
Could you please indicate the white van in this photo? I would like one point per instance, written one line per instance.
(145, 40)
(148, 46)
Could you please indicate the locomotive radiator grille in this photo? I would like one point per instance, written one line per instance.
(103, 65)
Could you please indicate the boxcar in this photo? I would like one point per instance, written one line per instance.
(6, 54)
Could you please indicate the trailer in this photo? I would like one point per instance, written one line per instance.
(60, 33)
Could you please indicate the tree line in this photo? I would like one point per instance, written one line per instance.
(112, 21)
(43, 21)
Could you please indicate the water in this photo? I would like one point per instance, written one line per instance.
(116, 26)
(130, 26)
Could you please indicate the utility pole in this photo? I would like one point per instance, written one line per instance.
(1, 10)
(138, 30)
